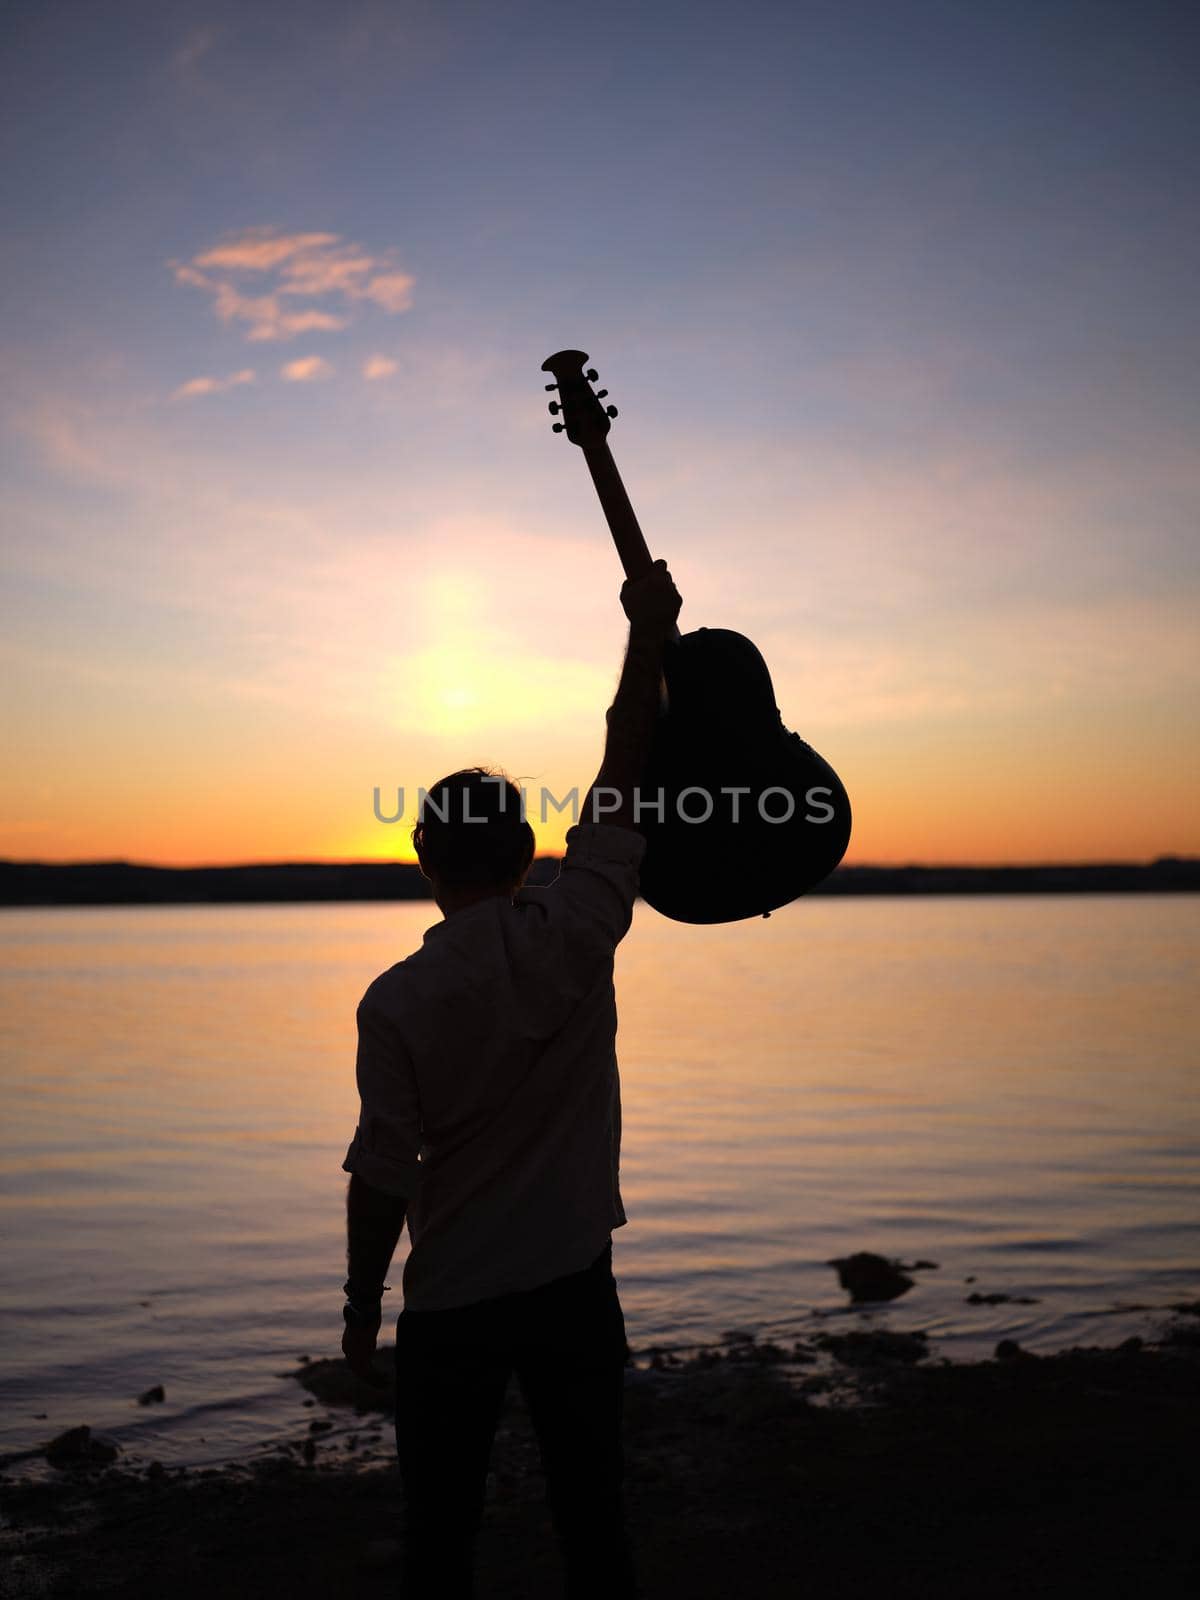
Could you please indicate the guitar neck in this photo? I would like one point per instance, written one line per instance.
(622, 523)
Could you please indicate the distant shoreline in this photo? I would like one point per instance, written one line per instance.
(117, 883)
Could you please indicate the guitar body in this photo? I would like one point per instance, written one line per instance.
(740, 815)
(751, 816)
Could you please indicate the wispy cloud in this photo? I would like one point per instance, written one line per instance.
(391, 290)
(378, 367)
(267, 319)
(195, 386)
(260, 249)
(307, 370)
(288, 267)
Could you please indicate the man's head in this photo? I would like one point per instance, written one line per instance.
(470, 837)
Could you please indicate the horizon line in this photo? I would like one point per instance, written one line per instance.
(549, 855)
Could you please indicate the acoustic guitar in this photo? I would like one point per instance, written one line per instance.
(740, 815)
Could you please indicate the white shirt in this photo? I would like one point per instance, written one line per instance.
(487, 1073)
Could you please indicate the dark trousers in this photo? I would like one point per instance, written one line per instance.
(565, 1340)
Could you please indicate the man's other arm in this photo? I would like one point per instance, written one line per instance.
(652, 604)
(383, 1165)
(374, 1221)
(373, 1224)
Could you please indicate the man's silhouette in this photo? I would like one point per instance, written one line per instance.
(491, 1119)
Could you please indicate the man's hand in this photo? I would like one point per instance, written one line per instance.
(651, 601)
(358, 1347)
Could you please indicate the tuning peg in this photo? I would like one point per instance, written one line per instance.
(558, 427)
(554, 408)
(591, 374)
(610, 411)
(600, 393)
(550, 386)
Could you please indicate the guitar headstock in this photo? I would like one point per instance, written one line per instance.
(584, 420)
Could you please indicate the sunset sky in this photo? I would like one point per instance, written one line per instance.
(898, 304)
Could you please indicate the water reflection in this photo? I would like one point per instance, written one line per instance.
(1006, 1086)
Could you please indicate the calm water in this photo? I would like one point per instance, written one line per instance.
(1007, 1086)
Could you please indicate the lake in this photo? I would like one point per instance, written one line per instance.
(1006, 1086)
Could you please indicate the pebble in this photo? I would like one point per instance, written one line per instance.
(977, 1299)
(870, 1277)
(1009, 1350)
(80, 1445)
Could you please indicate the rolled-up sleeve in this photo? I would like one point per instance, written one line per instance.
(387, 1142)
(599, 875)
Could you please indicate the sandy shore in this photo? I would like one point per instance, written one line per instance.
(861, 1466)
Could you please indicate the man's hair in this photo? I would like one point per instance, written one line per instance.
(470, 830)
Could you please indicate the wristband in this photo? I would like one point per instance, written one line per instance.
(363, 1305)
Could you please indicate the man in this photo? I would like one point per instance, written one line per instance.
(491, 1119)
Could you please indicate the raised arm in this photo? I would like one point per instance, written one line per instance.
(652, 604)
